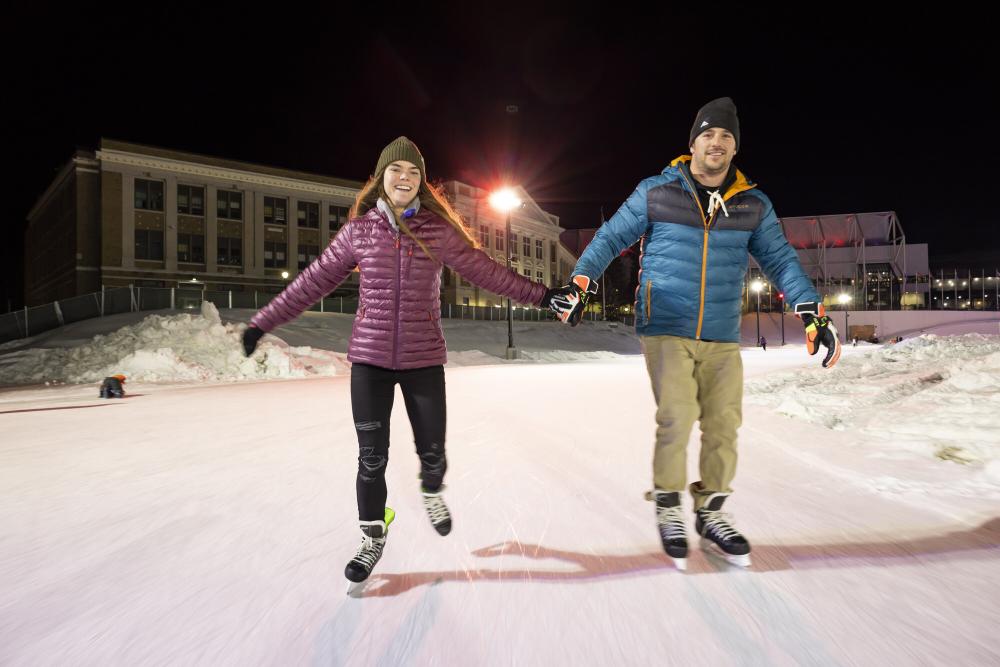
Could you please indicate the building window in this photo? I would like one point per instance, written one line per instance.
(465, 301)
(338, 217)
(539, 277)
(190, 200)
(309, 214)
(484, 237)
(230, 251)
(148, 195)
(526, 272)
(552, 250)
(149, 244)
(526, 247)
(307, 254)
(229, 205)
(274, 255)
(275, 211)
(191, 248)
(538, 249)
(499, 240)
(513, 244)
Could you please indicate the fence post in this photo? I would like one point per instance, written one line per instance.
(102, 300)
(230, 299)
(255, 299)
(321, 300)
(173, 299)
(341, 305)
(55, 307)
(27, 333)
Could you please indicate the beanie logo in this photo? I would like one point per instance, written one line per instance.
(703, 123)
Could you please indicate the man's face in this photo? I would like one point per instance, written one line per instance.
(713, 151)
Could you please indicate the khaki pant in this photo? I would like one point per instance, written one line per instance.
(695, 380)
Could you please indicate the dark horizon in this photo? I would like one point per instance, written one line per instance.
(848, 113)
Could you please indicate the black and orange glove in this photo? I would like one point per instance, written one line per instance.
(569, 301)
(819, 331)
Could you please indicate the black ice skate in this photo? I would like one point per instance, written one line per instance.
(671, 524)
(718, 535)
(437, 511)
(370, 551)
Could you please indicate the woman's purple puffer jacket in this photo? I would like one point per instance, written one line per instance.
(398, 323)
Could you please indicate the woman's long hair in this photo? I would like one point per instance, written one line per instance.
(430, 197)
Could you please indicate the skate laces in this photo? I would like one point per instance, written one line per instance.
(671, 522)
(436, 508)
(369, 551)
(720, 523)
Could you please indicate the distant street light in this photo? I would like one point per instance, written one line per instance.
(781, 298)
(844, 300)
(506, 200)
(757, 286)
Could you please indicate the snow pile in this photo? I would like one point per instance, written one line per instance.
(176, 348)
(933, 395)
(201, 348)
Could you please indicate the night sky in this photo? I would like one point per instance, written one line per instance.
(839, 113)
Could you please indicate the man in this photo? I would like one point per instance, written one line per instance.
(698, 219)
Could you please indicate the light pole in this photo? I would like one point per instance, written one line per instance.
(505, 200)
(757, 286)
(781, 298)
(844, 300)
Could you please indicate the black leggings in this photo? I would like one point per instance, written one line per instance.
(372, 393)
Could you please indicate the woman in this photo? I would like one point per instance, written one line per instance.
(401, 232)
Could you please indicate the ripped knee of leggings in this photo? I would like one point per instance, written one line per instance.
(432, 464)
(371, 467)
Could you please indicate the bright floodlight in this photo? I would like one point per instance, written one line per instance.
(844, 298)
(756, 286)
(284, 274)
(504, 200)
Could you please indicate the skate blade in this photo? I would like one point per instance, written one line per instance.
(738, 561)
(713, 549)
(680, 563)
(356, 589)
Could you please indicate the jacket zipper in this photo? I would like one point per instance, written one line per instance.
(395, 325)
(704, 253)
(649, 296)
